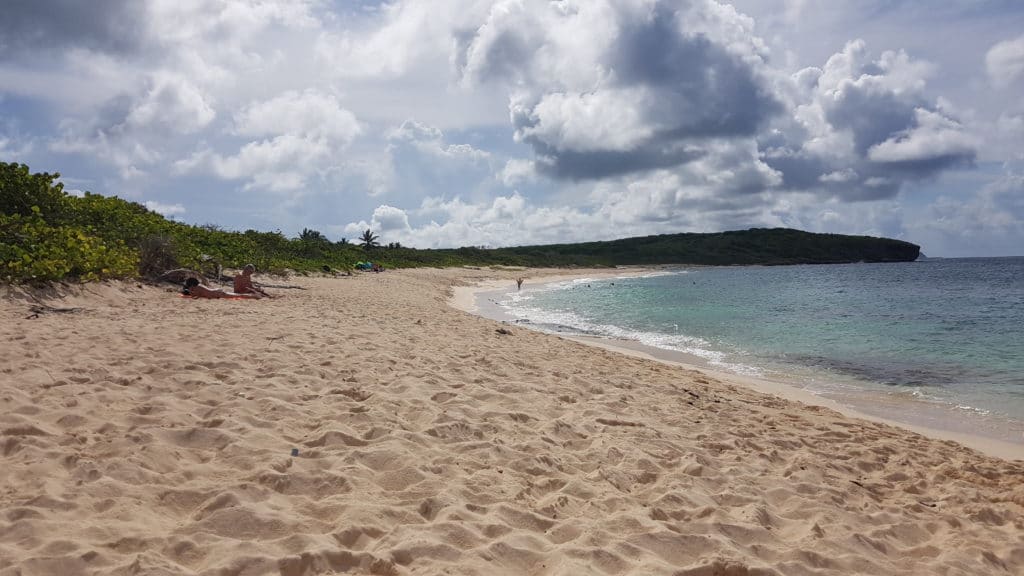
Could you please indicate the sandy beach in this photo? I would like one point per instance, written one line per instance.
(482, 298)
(363, 426)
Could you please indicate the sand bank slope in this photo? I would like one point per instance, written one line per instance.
(148, 434)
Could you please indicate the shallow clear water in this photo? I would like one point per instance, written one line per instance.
(948, 334)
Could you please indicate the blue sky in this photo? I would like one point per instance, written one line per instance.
(502, 122)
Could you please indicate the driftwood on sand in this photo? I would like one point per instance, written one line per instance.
(282, 286)
(42, 308)
(36, 310)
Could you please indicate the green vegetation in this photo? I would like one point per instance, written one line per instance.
(46, 235)
(32, 249)
(773, 246)
(369, 240)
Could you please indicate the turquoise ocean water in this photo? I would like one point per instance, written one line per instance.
(937, 342)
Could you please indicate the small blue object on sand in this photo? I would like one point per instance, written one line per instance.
(295, 451)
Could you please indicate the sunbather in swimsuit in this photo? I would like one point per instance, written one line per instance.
(196, 290)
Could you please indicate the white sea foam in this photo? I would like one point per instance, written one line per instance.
(561, 321)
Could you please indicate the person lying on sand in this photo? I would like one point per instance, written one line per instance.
(194, 289)
(244, 285)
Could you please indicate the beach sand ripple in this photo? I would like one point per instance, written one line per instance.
(149, 434)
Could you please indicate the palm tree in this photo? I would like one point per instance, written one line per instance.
(369, 239)
(313, 236)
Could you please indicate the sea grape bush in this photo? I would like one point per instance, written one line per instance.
(47, 234)
(20, 191)
(31, 250)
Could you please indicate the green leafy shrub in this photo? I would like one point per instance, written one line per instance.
(112, 218)
(33, 251)
(20, 190)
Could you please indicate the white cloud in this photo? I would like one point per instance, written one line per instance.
(389, 223)
(172, 102)
(390, 219)
(309, 113)
(413, 131)
(504, 221)
(431, 141)
(169, 210)
(395, 40)
(463, 224)
(933, 137)
(603, 88)
(1004, 62)
(279, 164)
(660, 202)
(304, 135)
(862, 127)
(134, 131)
(231, 23)
(605, 120)
(516, 171)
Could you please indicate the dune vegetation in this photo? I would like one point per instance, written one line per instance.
(47, 235)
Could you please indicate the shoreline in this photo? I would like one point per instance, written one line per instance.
(362, 425)
(466, 298)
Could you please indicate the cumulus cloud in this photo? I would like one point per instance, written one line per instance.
(389, 219)
(861, 128)
(658, 203)
(131, 130)
(172, 102)
(516, 171)
(309, 113)
(228, 26)
(431, 141)
(397, 38)
(932, 138)
(1004, 62)
(504, 221)
(461, 223)
(302, 134)
(279, 164)
(604, 88)
(390, 223)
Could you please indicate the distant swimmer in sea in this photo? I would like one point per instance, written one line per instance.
(519, 283)
(244, 285)
(196, 290)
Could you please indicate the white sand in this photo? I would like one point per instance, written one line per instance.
(149, 434)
